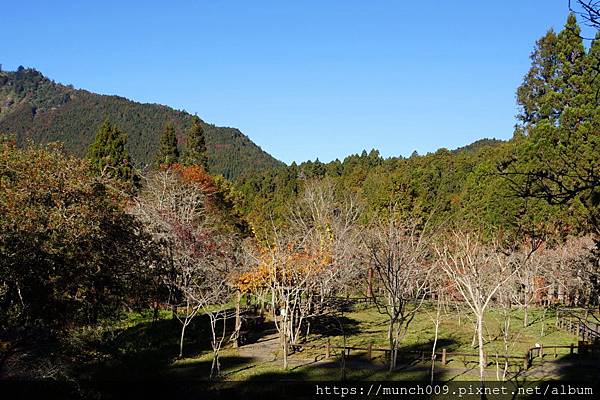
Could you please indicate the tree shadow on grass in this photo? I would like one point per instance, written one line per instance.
(583, 367)
(148, 349)
(334, 325)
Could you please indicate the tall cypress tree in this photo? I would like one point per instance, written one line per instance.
(537, 94)
(557, 159)
(571, 64)
(556, 79)
(108, 153)
(195, 152)
(167, 153)
(592, 73)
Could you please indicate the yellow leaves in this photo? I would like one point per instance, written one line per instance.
(286, 266)
(253, 280)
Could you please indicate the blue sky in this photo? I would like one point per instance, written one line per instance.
(303, 79)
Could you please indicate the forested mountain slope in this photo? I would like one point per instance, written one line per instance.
(33, 106)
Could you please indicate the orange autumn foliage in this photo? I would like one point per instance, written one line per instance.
(196, 174)
(287, 269)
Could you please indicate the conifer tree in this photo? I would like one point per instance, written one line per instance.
(558, 159)
(555, 80)
(108, 153)
(571, 62)
(195, 152)
(167, 153)
(537, 95)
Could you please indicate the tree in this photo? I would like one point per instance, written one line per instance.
(477, 271)
(218, 288)
(195, 151)
(574, 272)
(556, 157)
(527, 283)
(108, 153)
(69, 253)
(199, 261)
(537, 95)
(329, 227)
(168, 152)
(288, 272)
(173, 212)
(398, 253)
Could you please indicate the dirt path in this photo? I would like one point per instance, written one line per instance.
(264, 349)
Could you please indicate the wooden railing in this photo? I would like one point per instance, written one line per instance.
(587, 331)
(328, 351)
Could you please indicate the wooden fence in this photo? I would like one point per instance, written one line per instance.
(526, 360)
(586, 331)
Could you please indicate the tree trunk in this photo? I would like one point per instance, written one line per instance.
(435, 339)
(238, 320)
(370, 283)
(181, 340)
(156, 312)
(481, 353)
(215, 368)
(285, 350)
(393, 344)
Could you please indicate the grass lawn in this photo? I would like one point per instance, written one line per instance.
(456, 330)
(365, 325)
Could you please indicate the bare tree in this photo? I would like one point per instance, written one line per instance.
(574, 271)
(504, 301)
(439, 289)
(478, 271)
(308, 262)
(173, 212)
(588, 10)
(212, 291)
(398, 255)
(528, 281)
(329, 227)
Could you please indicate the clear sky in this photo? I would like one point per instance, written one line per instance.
(303, 79)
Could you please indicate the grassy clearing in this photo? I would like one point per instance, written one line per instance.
(366, 325)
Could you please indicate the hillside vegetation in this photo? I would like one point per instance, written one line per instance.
(35, 107)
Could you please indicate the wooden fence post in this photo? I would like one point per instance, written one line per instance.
(572, 348)
(370, 351)
(328, 350)
(443, 356)
(541, 350)
(526, 361)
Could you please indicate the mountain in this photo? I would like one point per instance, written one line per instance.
(35, 107)
(478, 145)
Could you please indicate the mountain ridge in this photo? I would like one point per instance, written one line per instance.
(35, 107)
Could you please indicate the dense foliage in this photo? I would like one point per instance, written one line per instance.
(167, 152)
(508, 223)
(195, 148)
(544, 181)
(34, 107)
(108, 153)
(558, 144)
(69, 254)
